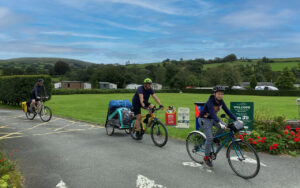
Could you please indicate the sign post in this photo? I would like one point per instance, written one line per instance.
(244, 111)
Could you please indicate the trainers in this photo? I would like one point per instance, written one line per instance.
(208, 161)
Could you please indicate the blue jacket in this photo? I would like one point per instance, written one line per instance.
(211, 108)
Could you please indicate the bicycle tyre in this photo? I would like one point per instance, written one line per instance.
(30, 116)
(45, 110)
(195, 146)
(133, 132)
(110, 129)
(247, 153)
(156, 129)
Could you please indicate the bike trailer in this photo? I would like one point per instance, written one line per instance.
(119, 114)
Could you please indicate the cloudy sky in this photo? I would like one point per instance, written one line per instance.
(143, 31)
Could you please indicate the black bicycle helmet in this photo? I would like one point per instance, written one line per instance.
(218, 88)
(41, 80)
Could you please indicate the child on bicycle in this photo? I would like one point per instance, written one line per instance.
(208, 118)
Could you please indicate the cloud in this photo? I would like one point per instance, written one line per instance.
(37, 48)
(8, 18)
(256, 18)
(73, 34)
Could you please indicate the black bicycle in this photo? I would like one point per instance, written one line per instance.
(43, 111)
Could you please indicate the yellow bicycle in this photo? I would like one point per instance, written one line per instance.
(159, 133)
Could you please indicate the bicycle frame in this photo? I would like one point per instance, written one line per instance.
(229, 135)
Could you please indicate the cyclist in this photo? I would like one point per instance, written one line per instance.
(141, 100)
(35, 95)
(208, 118)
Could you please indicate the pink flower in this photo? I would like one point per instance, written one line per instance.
(288, 127)
(275, 145)
(270, 147)
(264, 138)
(279, 136)
(258, 137)
(245, 134)
(286, 132)
(297, 129)
(254, 142)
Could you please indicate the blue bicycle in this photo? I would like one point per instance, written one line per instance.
(241, 156)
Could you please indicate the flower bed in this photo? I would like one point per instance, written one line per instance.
(274, 137)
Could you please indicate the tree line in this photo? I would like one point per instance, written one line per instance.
(173, 73)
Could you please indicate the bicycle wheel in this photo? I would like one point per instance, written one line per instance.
(30, 116)
(195, 146)
(243, 159)
(133, 131)
(109, 127)
(159, 134)
(45, 113)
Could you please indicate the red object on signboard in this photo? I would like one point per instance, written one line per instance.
(171, 118)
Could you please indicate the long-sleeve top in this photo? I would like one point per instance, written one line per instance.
(212, 107)
(37, 90)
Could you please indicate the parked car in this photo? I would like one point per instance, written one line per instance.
(266, 88)
(238, 87)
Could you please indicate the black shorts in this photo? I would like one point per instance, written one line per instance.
(137, 107)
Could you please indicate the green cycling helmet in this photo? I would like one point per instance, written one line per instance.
(147, 81)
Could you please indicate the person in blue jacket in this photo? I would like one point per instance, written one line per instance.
(208, 118)
(141, 100)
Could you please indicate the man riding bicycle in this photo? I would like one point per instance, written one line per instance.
(35, 95)
(208, 118)
(141, 100)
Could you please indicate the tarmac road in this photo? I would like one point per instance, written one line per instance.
(66, 153)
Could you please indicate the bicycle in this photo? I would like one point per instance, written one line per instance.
(239, 153)
(44, 112)
(159, 133)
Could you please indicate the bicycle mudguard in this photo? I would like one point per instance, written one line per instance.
(199, 132)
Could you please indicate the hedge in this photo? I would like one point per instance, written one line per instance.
(248, 92)
(200, 91)
(15, 89)
(102, 91)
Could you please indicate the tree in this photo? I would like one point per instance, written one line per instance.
(286, 79)
(60, 68)
(222, 75)
(253, 82)
(230, 57)
(265, 60)
(31, 70)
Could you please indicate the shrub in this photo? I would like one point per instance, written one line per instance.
(15, 89)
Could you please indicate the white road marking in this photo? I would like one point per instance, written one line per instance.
(247, 160)
(144, 182)
(61, 184)
(197, 165)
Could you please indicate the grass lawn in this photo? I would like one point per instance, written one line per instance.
(93, 107)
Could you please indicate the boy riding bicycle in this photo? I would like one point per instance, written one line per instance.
(208, 118)
(141, 100)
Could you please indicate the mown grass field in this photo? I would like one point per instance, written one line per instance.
(93, 107)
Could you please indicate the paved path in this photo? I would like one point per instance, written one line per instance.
(65, 153)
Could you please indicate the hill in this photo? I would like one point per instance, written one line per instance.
(41, 63)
